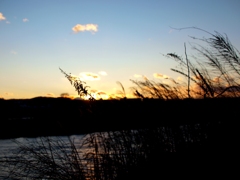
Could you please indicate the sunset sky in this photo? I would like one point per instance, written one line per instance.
(101, 41)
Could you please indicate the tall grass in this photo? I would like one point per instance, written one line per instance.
(214, 73)
(79, 85)
(129, 154)
(101, 155)
(45, 158)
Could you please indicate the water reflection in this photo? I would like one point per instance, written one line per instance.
(100, 155)
(22, 153)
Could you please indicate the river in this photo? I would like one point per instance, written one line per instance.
(97, 154)
(9, 147)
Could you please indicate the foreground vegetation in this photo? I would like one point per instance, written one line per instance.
(193, 121)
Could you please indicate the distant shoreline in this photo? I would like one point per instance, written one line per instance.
(57, 117)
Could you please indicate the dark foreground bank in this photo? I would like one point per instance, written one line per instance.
(126, 139)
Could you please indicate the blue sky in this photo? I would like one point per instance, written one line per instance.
(122, 38)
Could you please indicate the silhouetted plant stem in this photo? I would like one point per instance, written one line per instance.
(188, 75)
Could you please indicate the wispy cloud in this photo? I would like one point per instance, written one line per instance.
(103, 73)
(13, 52)
(170, 31)
(8, 94)
(89, 76)
(67, 95)
(87, 27)
(7, 22)
(179, 78)
(137, 75)
(160, 76)
(50, 95)
(102, 94)
(25, 20)
(2, 17)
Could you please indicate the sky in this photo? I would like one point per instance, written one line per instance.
(101, 41)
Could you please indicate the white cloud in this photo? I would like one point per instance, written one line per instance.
(87, 27)
(25, 20)
(160, 76)
(2, 17)
(7, 22)
(89, 76)
(103, 73)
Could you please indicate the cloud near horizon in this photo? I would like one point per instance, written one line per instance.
(89, 76)
(88, 27)
(103, 73)
(179, 78)
(2, 17)
(160, 76)
(102, 94)
(8, 94)
(50, 95)
(137, 75)
(67, 95)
